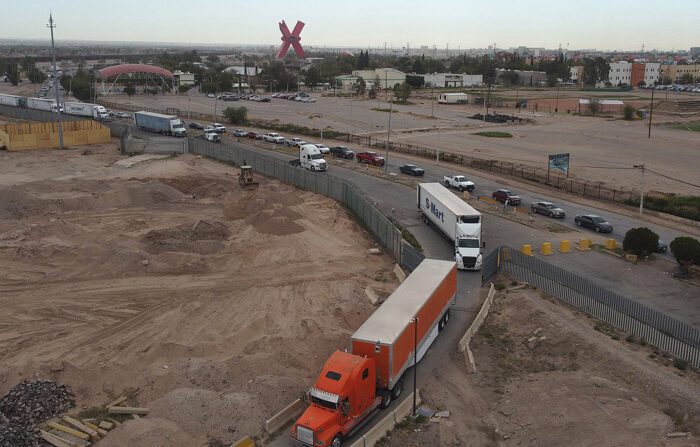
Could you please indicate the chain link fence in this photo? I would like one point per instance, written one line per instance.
(652, 326)
(364, 210)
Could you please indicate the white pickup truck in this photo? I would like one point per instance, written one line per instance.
(459, 182)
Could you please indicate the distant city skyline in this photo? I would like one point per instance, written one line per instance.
(603, 25)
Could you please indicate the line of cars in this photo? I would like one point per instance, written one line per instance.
(299, 96)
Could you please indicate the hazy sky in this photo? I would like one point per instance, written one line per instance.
(610, 24)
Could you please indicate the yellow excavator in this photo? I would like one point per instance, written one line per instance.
(246, 179)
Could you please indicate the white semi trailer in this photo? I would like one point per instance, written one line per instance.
(48, 105)
(456, 219)
(94, 111)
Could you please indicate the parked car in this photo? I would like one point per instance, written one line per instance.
(124, 115)
(306, 99)
(264, 99)
(342, 152)
(254, 136)
(219, 128)
(502, 195)
(240, 133)
(209, 129)
(273, 137)
(295, 142)
(547, 208)
(210, 95)
(411, 170)
(371, 158)
(593, 222)
(323, 148)
(197, 126)
(662, 247)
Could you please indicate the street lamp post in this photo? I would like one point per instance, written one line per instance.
(51, 25)
(641, 197)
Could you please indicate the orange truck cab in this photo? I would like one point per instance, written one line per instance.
(394, 338)
(344, 395)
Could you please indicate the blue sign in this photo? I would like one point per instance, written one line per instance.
(434, 209)
(559, 161)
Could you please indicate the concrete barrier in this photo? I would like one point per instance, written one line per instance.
(546, 249)
(527, 250)
(610, 244)
(584, 245)
(406, 407)
(565, 247)
(480, 317)
(244, 442)
(379, 430)
(359, 443)
(283, 417)
(371, 295)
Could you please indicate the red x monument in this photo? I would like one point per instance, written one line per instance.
(291, 39)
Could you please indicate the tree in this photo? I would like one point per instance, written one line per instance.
(629, 112)
(130, 90)
(510, 77)
(360, 86)
(209, 87)
(27, 63)
(313, 76)
(686, 250)
(183, 88)
(594, 105)
(12, 74)
(35, 75)
(487, 69)
(376, 85)
(595, 70)
(418, 67)
(552, 79)
(687, 78)
(640, 241)
(236, 115)
(153, 91)
(402, 91)
(213, 59)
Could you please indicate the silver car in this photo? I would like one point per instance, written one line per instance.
(548, 209)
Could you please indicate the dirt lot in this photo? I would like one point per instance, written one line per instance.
(548, 375)
(215, 307)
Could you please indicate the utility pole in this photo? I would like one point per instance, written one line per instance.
(641, 197)
(52, 25)
(388, 132)
(651, 111)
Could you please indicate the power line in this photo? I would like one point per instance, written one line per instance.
(671, 178)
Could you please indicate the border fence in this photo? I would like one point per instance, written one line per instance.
(366, 212)
(673, 336)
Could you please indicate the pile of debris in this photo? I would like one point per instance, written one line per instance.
(26, 405)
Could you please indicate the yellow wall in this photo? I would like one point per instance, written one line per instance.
(23, 136)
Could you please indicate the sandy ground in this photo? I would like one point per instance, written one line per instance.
(545, 376)
(214, 307)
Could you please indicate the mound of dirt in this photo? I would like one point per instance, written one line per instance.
(152, 432)
(201, 236)
(131, 195)
(16, 204)
(201, 186)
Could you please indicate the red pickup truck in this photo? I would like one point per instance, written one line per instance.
(370, 157)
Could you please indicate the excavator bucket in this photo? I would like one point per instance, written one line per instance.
(246, 178)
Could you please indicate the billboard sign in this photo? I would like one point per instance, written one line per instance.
(559, 161)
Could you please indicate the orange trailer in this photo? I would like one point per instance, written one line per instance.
(388, 334)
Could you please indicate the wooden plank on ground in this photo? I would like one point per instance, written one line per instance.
(128, 410)
(82, 427)
(96, 428)
(69, 430)
(54, 440)
(106, 425)
(70, 439)
(116, 402)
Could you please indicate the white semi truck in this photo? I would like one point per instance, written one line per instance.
(456, 219)
(48, 105)
(94, 111)
(165, 124)
(12, 100)
(310, 158)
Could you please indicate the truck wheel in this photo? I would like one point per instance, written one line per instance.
(313, 168)
(447, 183)
(396, 392)
(337, 440)
(386, 398)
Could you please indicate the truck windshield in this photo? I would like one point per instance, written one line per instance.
(178, 125)
(324, 403)
(469, 219)
(469, 243)
(460, 179)
(316, 156)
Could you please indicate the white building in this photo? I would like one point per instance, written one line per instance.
(182, 78)
(250, 71)
(652, 71)
(620, 73)
(452, 80)
(388, 77)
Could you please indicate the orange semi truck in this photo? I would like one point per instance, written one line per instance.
(353, 385)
